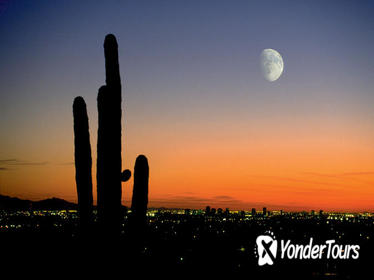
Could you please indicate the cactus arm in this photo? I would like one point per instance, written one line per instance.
(83, 162)
(140, 191)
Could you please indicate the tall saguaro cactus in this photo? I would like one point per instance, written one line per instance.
(83, 162)
(109, 159)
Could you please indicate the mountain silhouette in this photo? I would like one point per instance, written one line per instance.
(14, 203)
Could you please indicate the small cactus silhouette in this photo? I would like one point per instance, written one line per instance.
(140, 190)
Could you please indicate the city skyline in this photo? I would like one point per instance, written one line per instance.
(215, 131)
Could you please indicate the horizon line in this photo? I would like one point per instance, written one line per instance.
(298, 209)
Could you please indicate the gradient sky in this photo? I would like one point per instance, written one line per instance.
(214, 130)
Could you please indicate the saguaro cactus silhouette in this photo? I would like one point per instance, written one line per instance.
(109, 158)
(83, 162)
(140, 191)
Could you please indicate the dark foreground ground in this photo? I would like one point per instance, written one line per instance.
(182, 245)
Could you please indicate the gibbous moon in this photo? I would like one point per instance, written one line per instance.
(271, 64)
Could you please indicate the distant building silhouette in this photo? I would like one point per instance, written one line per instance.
(253, 211)
(264, 211)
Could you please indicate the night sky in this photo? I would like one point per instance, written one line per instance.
(195, 102)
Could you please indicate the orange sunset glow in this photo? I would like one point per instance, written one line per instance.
(239, 166)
